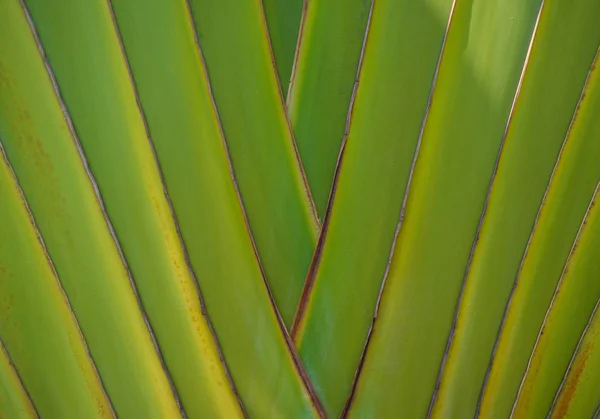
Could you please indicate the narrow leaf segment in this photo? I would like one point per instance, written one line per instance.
(168, 71)
(55, 180)
(479, 71)
(14, 400)
(572, 185)
(579, 394)
(329, 50)
(574, 300)
(234, 41)
(36, 324)
(390, 102)
(142, 215)
(283, 20)
(45, 155)
(538, 125)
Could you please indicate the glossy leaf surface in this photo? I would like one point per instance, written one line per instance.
(470, 106)
(579, 393)
(31, 296)
(391, 100)
(569, 312)
(234, 41)
(161, 254)
(538, 124)
(327, 61)
(31, 293)
(14, 400)
(284, 21)
(190, 147)
(569, 193)
(67, 211)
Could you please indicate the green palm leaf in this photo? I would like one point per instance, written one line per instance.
(299, 209)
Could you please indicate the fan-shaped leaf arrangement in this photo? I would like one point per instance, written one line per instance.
(277, 209)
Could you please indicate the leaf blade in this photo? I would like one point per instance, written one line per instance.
(461, 136)
(571, 188)
(538, 124)
(284, 22)
(172, 83)
(578, 395)
(14, 400)
(329, 51)
(364, 209)
(264, 159)
(570, 309)
(57, 351)
(44, 152)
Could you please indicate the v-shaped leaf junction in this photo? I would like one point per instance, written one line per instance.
(299, 209)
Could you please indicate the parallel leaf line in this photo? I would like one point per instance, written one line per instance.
(533, 230)
(557, 290)
(307, 190)
(58, 282)
(99, 198)
(2, 347)
(297, 52)
(316, 259)
(291, 347)
(171, 209)
(483, 213)
(575, 352)
(363, 355)
(225, 146)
